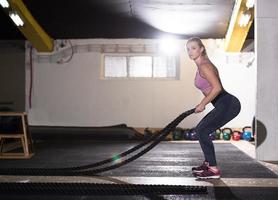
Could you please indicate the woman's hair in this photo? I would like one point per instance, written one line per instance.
(200, 44)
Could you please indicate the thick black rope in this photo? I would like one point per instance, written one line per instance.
(163, 133)
(53, 188)
(74, 171)
(114, 158)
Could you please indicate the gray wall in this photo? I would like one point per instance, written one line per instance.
(267, 89)
(12, 74)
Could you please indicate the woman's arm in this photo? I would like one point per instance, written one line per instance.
(209, 72)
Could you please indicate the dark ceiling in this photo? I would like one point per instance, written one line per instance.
(71, 19)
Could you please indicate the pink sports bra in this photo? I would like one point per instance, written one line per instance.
(202, 83)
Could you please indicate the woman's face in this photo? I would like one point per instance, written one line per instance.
(194, 50)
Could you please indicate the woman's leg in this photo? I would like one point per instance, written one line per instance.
(203, 129)
(225, 110)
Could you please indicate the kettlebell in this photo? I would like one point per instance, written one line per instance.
(212, 136)
(227, 132)
(247, 133)
(218, 134)
(187, 135)
(178, 133)
(236, 135)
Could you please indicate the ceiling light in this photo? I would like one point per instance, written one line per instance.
(168, 45)
(244, 18)
(16, 18)
(250, 3)
(4, 3)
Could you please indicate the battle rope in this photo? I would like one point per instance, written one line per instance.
(74, 171)
(97, 189)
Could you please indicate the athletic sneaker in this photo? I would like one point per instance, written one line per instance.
(201, 168)
(209, 173)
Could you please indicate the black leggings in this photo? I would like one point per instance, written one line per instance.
(226, 107)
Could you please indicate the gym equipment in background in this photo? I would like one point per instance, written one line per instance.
(177, 134)
(212, 136)
(9, 124)
(24, 136)
(187, 134)
(218, 134)
(227, 132)
(247, 133)
(236, 135)
(190, 134)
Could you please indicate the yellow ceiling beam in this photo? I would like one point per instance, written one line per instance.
(33, 32)
(236, 34)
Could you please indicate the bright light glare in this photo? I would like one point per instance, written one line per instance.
(168, 46)
(117, 159)
(4, 3)
(250, 3)
(244, 19)
(178, 23)
(16, 19)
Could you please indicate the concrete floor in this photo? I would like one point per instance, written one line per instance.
(230, 188)
(249, 149)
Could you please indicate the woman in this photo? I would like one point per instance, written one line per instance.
(226, 106)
